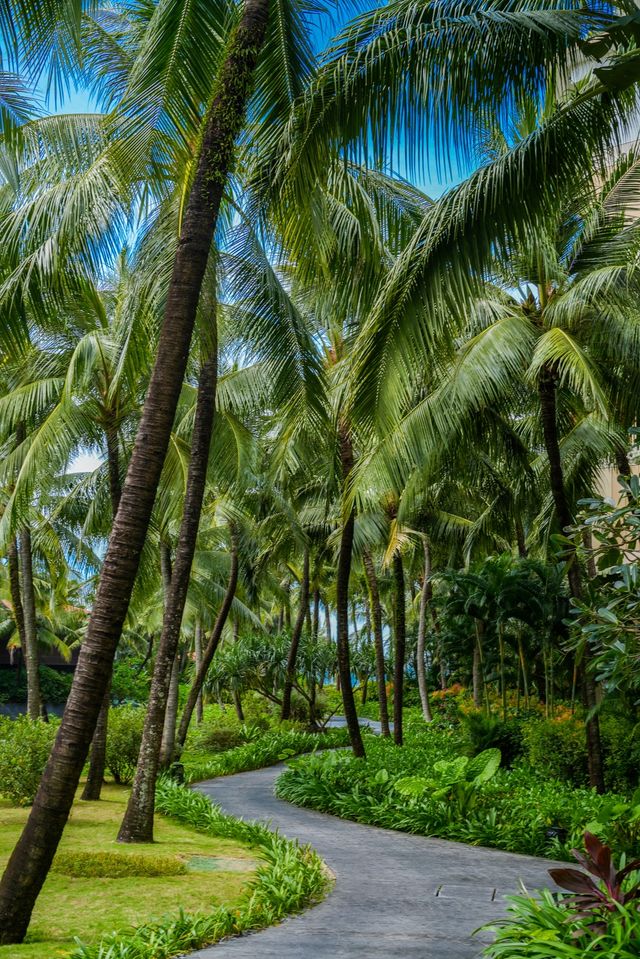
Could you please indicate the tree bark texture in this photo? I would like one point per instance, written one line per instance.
(98, 753)
(137, 825)
(30, 625)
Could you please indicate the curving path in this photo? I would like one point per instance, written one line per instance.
(396, 895)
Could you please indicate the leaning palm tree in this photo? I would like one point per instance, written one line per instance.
(220, 128)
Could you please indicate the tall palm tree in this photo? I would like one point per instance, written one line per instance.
(221, 126)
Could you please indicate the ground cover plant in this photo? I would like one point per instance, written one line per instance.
(287, 878)
(431, 787)
(97, 886)
(601, 917)
(265, 750)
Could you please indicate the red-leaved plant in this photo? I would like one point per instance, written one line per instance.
(597, 891)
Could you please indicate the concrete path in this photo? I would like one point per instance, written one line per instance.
(395, 895)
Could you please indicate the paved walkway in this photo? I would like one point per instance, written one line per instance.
(395, 895)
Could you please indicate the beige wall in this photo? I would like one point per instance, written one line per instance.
(607, 484)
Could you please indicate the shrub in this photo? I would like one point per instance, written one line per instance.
(557, 749)
(24, 749)
(113, 865)
(54, 685)
(547, 928)
(215, 739)
(124, 735)
(490, 732)
(130, 681)
(621, 749)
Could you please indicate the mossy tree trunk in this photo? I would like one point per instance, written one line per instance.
(400, 639)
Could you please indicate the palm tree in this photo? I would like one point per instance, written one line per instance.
(30, 861)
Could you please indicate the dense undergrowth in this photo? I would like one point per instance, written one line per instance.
(266, 750)
(424, 788)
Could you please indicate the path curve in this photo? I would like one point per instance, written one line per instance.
(396, 895)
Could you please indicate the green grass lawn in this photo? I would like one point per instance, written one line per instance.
(89, 908)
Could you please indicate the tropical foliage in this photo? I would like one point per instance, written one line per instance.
(348, 441)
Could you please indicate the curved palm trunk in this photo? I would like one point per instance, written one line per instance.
(425, 598)
(33, 854)
(399, 651)
(343, 572)
(31, 658)
(378, 641)
(137, 825)
(547, 394)
(98, 755)
(290, 674)
(211, 647)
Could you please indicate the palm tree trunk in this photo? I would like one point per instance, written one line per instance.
(137, 825)
(212, 645)
(525, 673)
(171, 715)
(98, 754)
(197, 643)
(237, 702)
(16, 598)
(315, 624)
(399, 647)
(303, 607)
(425, 599)
(33, 854)
(327, 621)
(547, 394)
(31, 658)
(378, 640)
(503, 676)
(343, 572)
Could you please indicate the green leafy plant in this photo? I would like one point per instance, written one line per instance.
(24, 749)
(544, 927)
(124, 736)
(618, 821)
(601, 887)
(112, 865)
(290, 878)
(455, 779)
